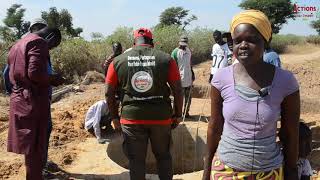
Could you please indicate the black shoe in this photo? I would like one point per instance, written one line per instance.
(47, 175)
(187, 115)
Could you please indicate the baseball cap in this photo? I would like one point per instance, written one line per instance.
(183, 41)
(38, 21)
(142, 32)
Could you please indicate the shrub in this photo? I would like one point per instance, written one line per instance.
(280, 42)
(124, 35)
(201, 42)
(313, 39)
(166, 38)
(100, 50)
(74, 57)
(4, 49)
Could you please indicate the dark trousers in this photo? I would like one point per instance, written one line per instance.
(34, 165)
(135, 148)
(187, 99)
(48, 139)
(105, 127)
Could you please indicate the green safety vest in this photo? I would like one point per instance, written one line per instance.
(142, 74)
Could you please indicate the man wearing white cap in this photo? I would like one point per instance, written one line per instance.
(37, 24)
(182, 55)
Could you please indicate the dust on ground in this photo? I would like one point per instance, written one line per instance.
(72, 150)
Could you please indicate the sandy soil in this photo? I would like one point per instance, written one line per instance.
(76, 155)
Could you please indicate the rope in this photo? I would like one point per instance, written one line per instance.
(182, 154)
(197, 131)
(181, 134)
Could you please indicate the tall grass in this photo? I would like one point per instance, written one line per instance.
(313, 39)
(74, 57)
(201, 41)
(280, 43)
(166, 38)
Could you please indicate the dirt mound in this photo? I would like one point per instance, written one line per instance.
(199, 91)
(308, 77)
(93, 76)
(68, 119)
(202, 73)
(309, 82)
(68, 123)
(7, 170)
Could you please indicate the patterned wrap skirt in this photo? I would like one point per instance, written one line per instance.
(221, 171)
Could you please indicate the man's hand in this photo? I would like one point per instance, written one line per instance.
(116, 124)
(175, 122)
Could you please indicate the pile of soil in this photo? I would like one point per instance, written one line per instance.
(7, 170)
(93, 77)
(68, 122)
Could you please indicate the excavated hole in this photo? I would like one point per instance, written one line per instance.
(188, 150)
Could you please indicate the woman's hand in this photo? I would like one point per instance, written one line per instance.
(215, 128)
(290, 116)
(207, 170)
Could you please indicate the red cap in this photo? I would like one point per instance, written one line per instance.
(142, 32)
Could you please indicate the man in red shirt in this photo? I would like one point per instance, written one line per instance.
(142, 75)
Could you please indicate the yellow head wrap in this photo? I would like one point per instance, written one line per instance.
(256, 18)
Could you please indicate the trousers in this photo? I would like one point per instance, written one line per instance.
(135, 146)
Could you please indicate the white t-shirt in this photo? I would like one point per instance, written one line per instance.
(184, 65)
(93, 117)
(219, 57)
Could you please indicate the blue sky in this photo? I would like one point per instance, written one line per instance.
(105, 16)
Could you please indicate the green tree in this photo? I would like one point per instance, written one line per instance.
(278, 11)
(7, 35)
(62, 20)
(122, 34)
(176, 16)
(14, 25)
(96, 36)
(316, 25)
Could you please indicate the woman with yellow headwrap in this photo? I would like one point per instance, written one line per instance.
(247, 99)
